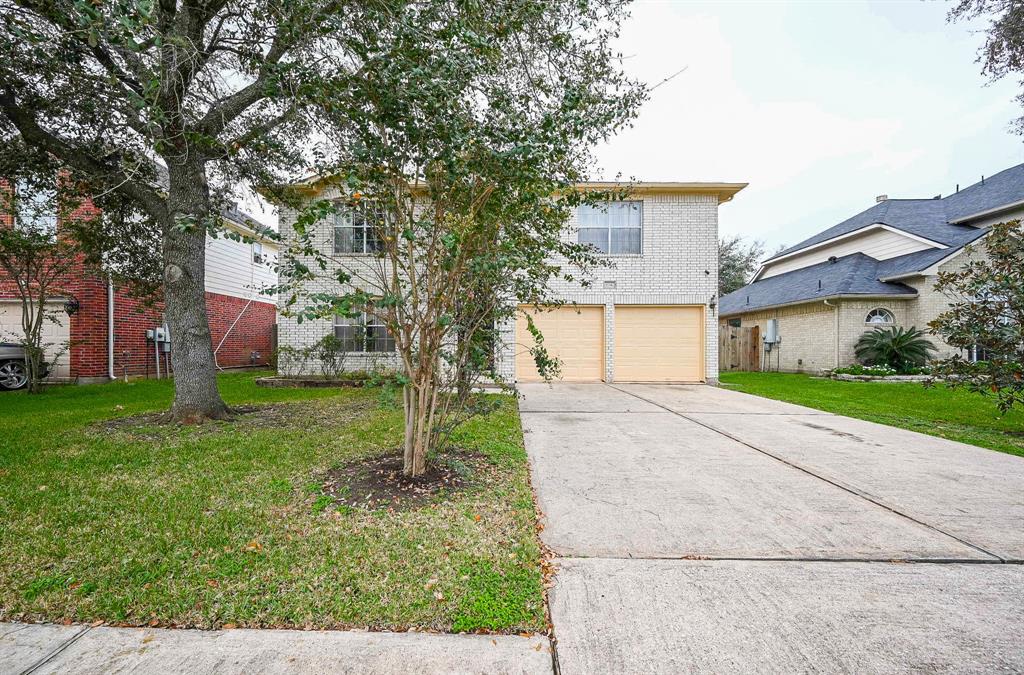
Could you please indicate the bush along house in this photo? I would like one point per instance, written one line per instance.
(811, 303)
(103, 331)
(650, 316)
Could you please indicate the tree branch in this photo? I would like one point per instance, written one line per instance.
(113, 176)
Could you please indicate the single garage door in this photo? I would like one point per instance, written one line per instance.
(55, 335)
(659, 343)
(573, 334)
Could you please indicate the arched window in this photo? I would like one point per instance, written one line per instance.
(880, 316)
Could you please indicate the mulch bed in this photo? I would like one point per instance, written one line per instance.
(379, 482)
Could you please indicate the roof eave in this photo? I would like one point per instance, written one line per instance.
(834, 296)
(724, 191)
(988, 212)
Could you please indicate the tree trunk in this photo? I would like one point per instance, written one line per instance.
(196, 397)
(419, 401)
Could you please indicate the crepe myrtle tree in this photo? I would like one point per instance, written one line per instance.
(170, 103)
(475, 123)
(985, 318)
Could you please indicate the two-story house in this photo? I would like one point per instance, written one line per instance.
(877, 268)
(103, 331)
(650, 316)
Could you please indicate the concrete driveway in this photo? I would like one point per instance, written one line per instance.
(707, 530)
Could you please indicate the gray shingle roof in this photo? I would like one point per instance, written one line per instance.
(1006, 187)
(854, 274)
(930, 218)
(859, 274)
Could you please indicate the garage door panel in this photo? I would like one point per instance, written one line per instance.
(55, 334)
(659, 344)
(575, 335)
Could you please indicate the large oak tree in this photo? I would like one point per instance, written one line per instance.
(169, 104)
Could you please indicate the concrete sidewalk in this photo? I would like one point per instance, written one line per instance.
(81, 650)
(705, 530)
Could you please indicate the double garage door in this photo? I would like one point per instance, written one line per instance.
(661, 343)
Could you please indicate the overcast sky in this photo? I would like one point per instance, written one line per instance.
(820, 106)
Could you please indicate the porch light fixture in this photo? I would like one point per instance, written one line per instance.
(713, 302)
(72, 306)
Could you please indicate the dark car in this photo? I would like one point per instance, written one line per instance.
(13, 370)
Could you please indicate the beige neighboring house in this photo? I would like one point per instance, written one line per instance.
(649, 317)
(877, 268)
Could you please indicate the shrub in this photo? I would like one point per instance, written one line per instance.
(895, 347)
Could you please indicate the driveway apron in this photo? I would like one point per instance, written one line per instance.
(711, 531)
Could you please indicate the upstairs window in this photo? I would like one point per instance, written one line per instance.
(880, 317)
(364, 333)
(356, 231)
(613, 228)
(257, 253)
(35, 208)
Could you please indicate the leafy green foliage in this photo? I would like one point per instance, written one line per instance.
(473, 125)
(986, 317)
(1003, 51)
(896, 347)
(737, 262)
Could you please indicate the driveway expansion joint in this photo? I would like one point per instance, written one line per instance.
(809, 472)
(56, 651)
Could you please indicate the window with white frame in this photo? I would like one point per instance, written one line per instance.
(363, 333)
(355, 231)
(880, 316)
(613, 228)
(35, 208)
(257, 253)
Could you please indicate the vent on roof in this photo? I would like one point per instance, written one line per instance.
(881, 198)
(832, 259)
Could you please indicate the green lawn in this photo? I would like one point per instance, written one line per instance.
(950, 413)
(224, 524)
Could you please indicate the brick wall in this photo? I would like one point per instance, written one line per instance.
(808, 333)
(253, 325)
(931, 303)
(852, 325)
(88, 328)
(678, 265)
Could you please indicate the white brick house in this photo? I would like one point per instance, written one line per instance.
(876, 268)
(649, 316)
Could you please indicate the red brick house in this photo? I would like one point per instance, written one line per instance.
(108, 331)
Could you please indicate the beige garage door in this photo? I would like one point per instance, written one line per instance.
(573, 334)
(659, 344)
(55, 335)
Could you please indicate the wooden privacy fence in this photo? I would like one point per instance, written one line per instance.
(739, 348)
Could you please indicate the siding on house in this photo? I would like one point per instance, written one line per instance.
(230, 269)
(879, 244)
(678, 265)
(241, 318)
(808, 334)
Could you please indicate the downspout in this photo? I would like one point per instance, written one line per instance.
(835, 332)
(110, 328)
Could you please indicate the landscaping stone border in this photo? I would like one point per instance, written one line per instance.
(882, 378)
(306, 382)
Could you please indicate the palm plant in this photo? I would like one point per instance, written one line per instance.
(895, 347)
